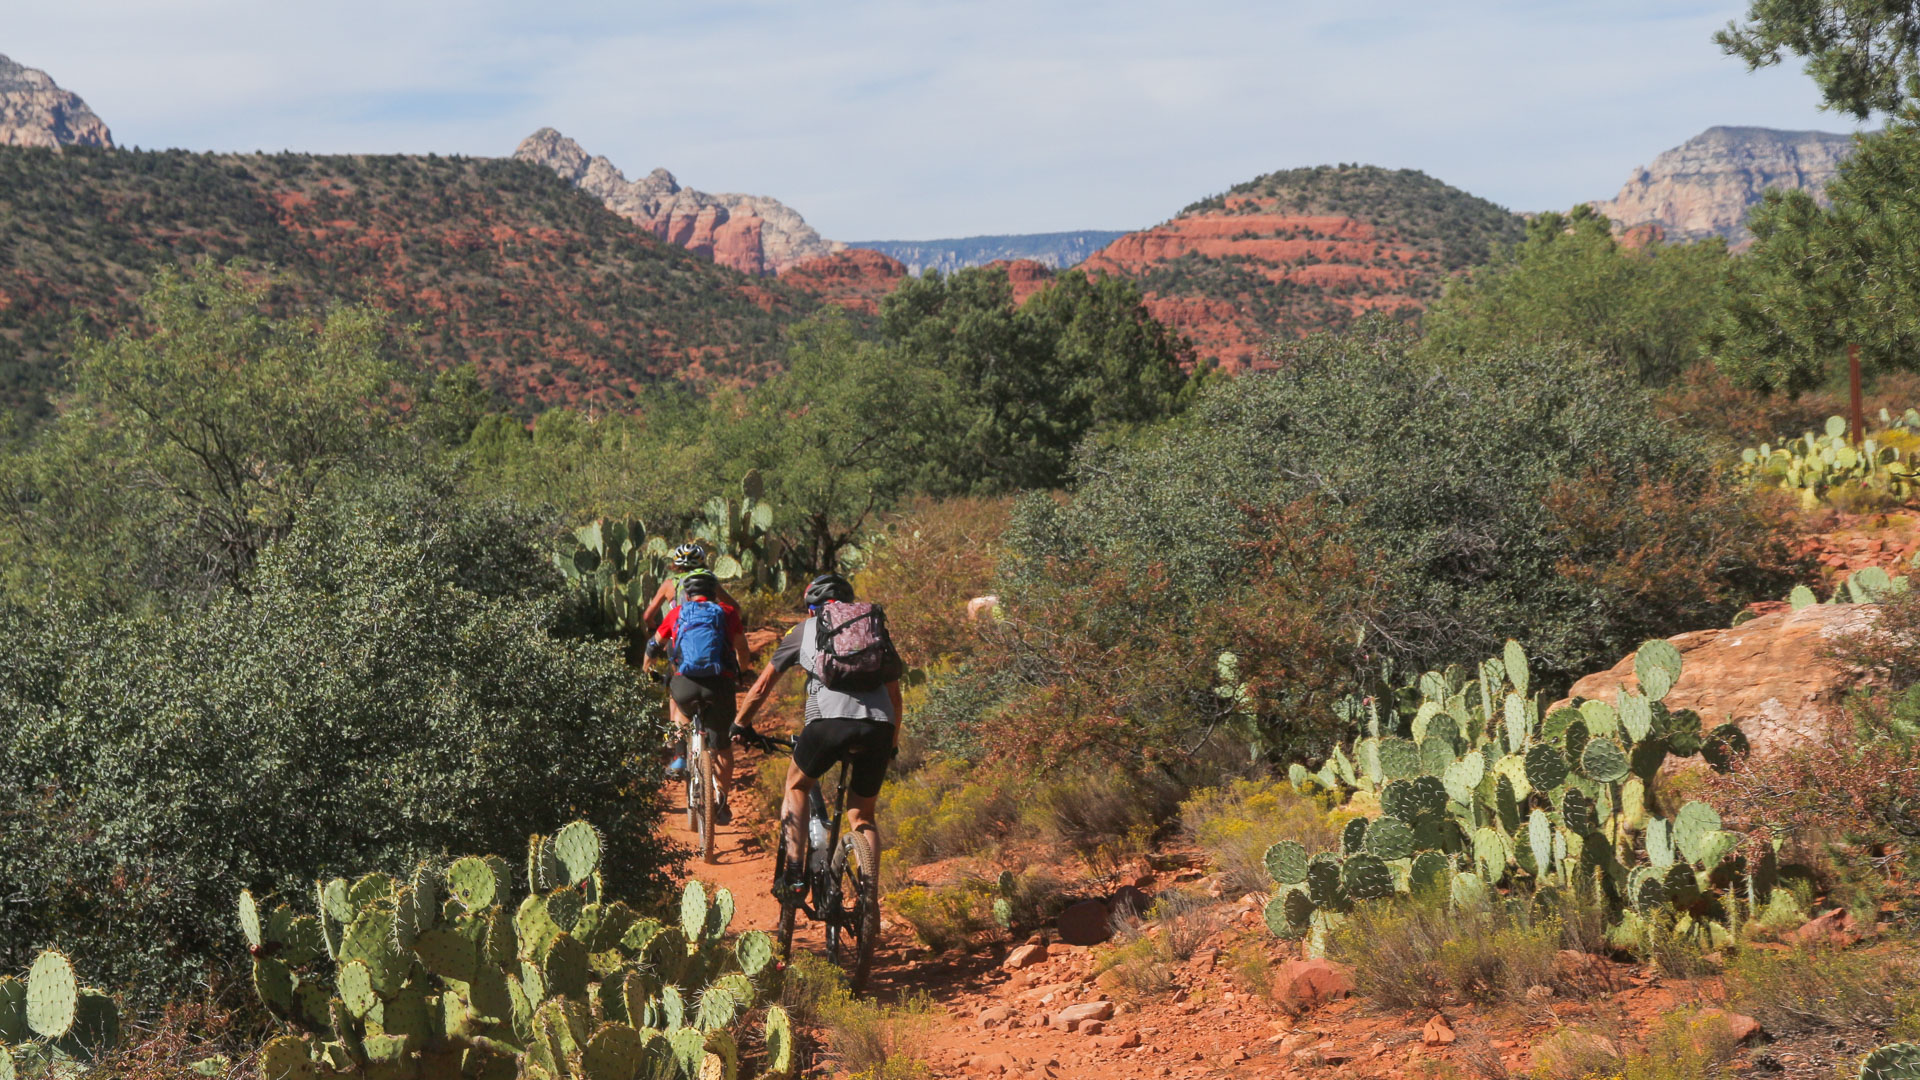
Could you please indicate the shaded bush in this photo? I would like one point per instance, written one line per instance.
(372, 698)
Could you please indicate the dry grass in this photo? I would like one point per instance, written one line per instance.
(1821, 988)
(1416, 954)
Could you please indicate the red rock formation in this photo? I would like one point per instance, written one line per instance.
(1768, 674)
(1025, 275)
(854, 279)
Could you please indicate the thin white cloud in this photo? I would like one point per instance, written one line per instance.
(896, 119)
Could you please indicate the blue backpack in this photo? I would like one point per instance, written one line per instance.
(700, 646)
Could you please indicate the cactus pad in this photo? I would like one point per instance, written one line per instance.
(1514, 659)
(1649, 892)
(1287, 862)
(471, 882)
(613, 1053)
(285, 1058)
(1540, 841)
(754, 950)
(369, 889)
(720, 913)
(1895, 1061)
(1659, 843)
(1323, 881)
(1430, 872)
(250, 919)
(1365, 877)
(564, 906)
(1636, 715)
(356, 988)
(334, 902)
(689, 1049)
(1353, 836)
(1692, 826)
(1389, 838)
(447, 953)
(566, 968)
(1603, 761)
(1468, 892)
(1399, 758)
(1546, 767)
(577, 849)
(1463, 777)
(1413, 801)
(693, 910)
(1577, 811)
(13, 1010)
(273, 981)
(1657, 666)
(1723, 745)
(673, 1008)
(1600, 718)
(715, 1008)
(52, 997)
(778, 1037)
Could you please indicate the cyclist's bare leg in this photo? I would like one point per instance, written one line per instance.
(793, 814)
(861, 815)
(723, 760)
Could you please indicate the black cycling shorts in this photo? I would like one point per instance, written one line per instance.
(710, 697)
(866, 744)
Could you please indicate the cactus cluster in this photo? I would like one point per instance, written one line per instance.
(1814, 465)
(1867, 585)
(48, 1021)
(1480, 799)
(443, 974)
(740, 534)
(616, 566)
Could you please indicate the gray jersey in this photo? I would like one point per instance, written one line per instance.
(797, 649)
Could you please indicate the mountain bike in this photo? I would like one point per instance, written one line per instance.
(843, 876)
(703, 791)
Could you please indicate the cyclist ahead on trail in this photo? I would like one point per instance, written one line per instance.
(853, 709)
(709, 651)
(687, 559)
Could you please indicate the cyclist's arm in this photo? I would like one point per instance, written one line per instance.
(751, 702)
(660, 596)
(899, 709)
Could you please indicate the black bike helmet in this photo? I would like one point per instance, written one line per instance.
(828, 587)
(689, 556)
(700, 583)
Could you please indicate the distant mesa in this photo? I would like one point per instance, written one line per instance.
(855, 279)
(1055, 250)
(1707, 185)
(34, 111)
(754, 234)
(1303, 250)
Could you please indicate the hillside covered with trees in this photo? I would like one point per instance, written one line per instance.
(497, 264)
(1302, 250)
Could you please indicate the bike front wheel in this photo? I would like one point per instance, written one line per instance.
(853, 923)
(709, 797)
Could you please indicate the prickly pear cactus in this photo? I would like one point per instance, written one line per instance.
(449, 973)
(49, 1024)
(1479, 791)
(1896, 1061)
(1814, 465)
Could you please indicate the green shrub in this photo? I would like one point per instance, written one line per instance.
(366, 702)
(1235, 825)
(945, 809)
(866, 1037)
(942, 918)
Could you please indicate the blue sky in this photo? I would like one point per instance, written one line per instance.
(898, 119)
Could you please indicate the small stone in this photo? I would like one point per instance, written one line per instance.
(1125, 1041)
(1091, 1010)
(993, 1017)
(1437, 1032)
(1301, 986)
(1093, 1027)
(1024, 957)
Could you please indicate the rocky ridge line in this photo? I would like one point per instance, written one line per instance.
(34, 111)
(1707, 185)
(754, 234)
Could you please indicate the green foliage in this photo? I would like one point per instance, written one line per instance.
(568, 982)
(1818, 280)
(185, 451)
(837, 437)
(1461, 489)
(1829, 467)
(1861, 53)
(48, 1022)
(1025, 385)
(1638, 309)
(1477, 790)
(1241, 826)
(394, 655)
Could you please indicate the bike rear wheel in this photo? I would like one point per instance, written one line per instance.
(708, 799)
(853, 924)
